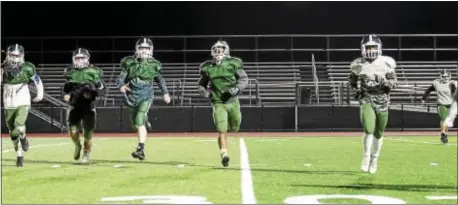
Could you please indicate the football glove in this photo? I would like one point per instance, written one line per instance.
(230, 93)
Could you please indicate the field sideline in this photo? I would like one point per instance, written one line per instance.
(266, 168)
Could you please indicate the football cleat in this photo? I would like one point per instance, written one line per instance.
(76, 155)
(139, 154)
(365, 164)
(85, 159)
(444, 138)
(225, 161)
(373, 166)
(20, 161)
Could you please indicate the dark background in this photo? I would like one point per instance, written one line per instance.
(188, 18)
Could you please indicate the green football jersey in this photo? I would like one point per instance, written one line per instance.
(90, 74)
(83, 85)
(222, 76)
(21, 74)
(140, 75)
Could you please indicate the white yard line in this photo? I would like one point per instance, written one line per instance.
(422, 142)
(442, 197)
(247, 181)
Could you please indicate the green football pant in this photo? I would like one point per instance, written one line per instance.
(373, 122)
(443, 111)
(15, 120)
(138, 114)
(227, 117)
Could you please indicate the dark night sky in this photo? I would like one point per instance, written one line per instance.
(188, 18)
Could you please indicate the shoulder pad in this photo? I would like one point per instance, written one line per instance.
(127, 59)
(156, 62)
(236, 60)
(355, 65)
(204, 64)
(28, 66)
(100, 70)
(67, 69)
(390, 62)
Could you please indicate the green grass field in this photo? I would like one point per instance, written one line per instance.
(410, 169)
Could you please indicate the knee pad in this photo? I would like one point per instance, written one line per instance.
(234, 128)
(14, 138)
(18, 131)
(73, 130)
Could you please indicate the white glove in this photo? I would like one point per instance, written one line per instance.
(167, 98)
(38, 98)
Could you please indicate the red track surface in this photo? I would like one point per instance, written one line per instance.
(245, 134)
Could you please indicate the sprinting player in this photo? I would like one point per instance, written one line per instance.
(445, 87)
(138, 74)
(373, 76)
(83, 84)
(222, 79)
(16, 73)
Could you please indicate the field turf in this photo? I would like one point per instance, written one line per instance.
(264, 170)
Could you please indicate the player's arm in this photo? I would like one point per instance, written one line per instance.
(353, 78)
(390, 76)
(100, 86)
(35, 78)
(427, 92)
(161, 83)
(203, 83)
(240, 76)
(453, 111)
(242, 79)
(1, 75)
(122, 79)
(452, 87)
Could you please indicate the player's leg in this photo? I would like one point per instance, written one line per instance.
(235, 116)
(367, 116)
(10, 115)
(19, 126)
(443, 112)
(139, 115)
(220, 119)
(235, 119)
(74, 117)
(89, 120)
(380, 125)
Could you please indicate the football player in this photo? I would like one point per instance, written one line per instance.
(373, 76)
(445, 87)
(16, 73)
(221, 80)
(138, 74)
(83, 85)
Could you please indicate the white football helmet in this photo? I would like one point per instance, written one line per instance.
(15, 55)
(144, 48)
(220, 50)
(445, 76)
(371, 47)
(80, 58)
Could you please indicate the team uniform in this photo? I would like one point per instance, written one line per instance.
(444, 87)
(138, 74)
(83, 85)
(373, 76)
(16, 74)
(221, 80)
